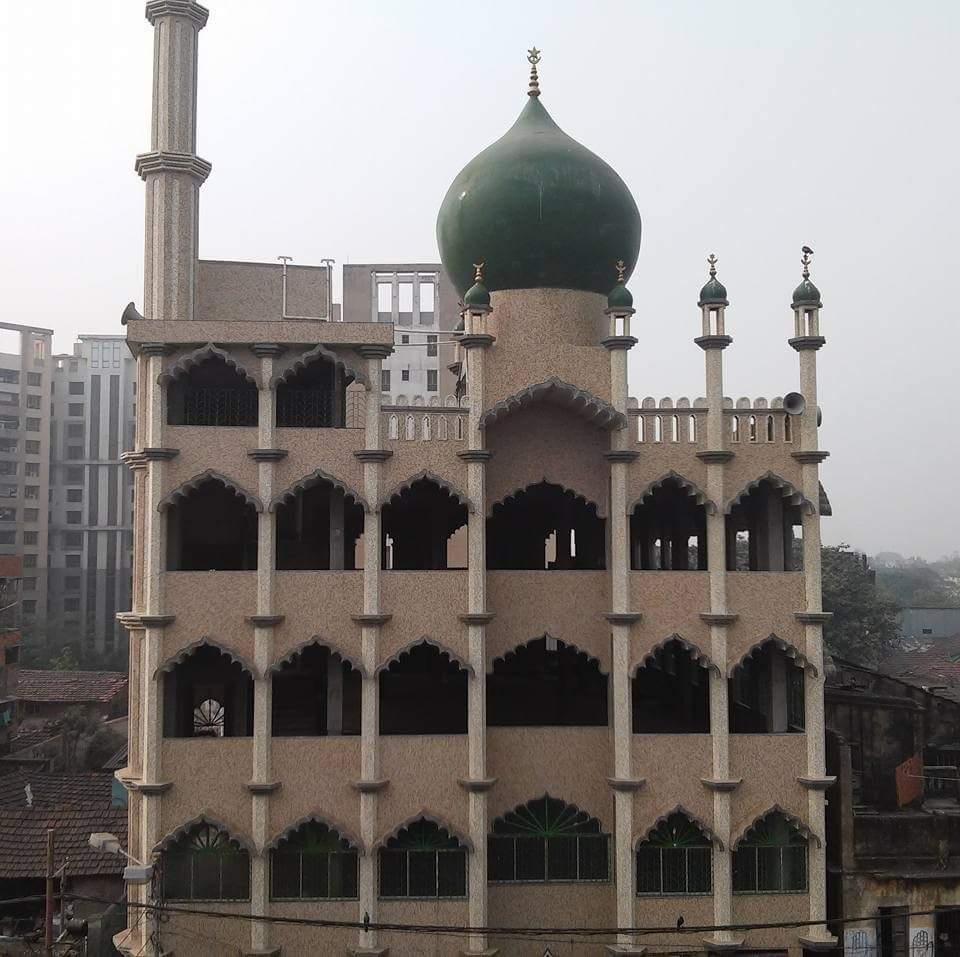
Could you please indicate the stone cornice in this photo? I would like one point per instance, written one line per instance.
(806, 343)
(265, 621)
(158, 454)
(818, 784)
(817, 943)
(477, 340)
(476, 785)
(267, 350)
(132, 620)
(477, 618)
(813, 617)
(154, 348)
(373, 455)
(722, 946)
(716, 618)
(263, 787)
(133, 461)
(187, 9)
(623, 617)
(163, 161)
(375, 350)
(629, 785)
(621, 455)
(715, 456)
(152, 788)
(267, 455)
(720, 784)
(475, 455)
(810, 457)
(370, 787)
(371, 620)
(619, 342)
(713, 342)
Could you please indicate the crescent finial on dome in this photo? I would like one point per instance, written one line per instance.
(533, 57)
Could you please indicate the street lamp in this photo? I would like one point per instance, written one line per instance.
(135, 873)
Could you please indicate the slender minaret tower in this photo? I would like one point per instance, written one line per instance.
(172, 170)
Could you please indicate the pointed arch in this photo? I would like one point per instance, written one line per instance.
(316, 817)
(523, 818)
(319, 351)
(425, 815)
(795, 822)
(546, 636)
(205, 642)
(205, 818)
(185, 488)
(691, 489)
(791, 651)
(320, 641)
(446, 652)
(425, 475)
(585, 404)
(789, 491)
(699, 656)
(577, 496)
(209, 351)
(692, 818)
(315, 478)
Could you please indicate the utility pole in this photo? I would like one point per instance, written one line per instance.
(48, 928)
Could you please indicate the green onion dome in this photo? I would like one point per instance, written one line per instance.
(806, 294)
(620, 298)
(714, 292)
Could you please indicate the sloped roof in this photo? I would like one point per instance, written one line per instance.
(23, 839)
(29, 738)
(75, 687)
(932, 664)
(117, 760)
(52, 788)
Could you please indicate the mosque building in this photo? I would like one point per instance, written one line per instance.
(546, 656)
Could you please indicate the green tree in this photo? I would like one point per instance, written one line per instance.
(65, 661)
(864, 624)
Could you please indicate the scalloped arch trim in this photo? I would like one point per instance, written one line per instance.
(585, 404)
(186, 362)
(209, 475)
(204, 817)
(315, 478)
(205, 642)
(577, 496)
(795, 496)
(692, 490)
(320, 641)
(428, 476)
(416, 643)
(692, 818)
(546, 635)
(425, 815)
(318, 353)
(791, 819)
(699, 657)
(552, 797)
(791, 651)
(317, 818)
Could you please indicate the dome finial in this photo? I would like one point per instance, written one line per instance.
(478, 275)
(807, 254)
(806, 295)
(621, 270)
(714, 293)
(533, 57)
(712, 259)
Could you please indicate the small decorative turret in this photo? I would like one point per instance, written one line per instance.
(477, 298)
(806, 295)
(620, 299)
(714, 293)
(806, 307)
(713, 303)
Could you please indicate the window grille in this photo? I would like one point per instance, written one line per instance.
(205, 864)
(211, 405)
(771, 859)
(314, 863)
(424, 861)
(675, 858)
(548, 840)
(208, 719)
(305, 408)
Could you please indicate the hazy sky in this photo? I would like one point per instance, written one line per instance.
(742, 128)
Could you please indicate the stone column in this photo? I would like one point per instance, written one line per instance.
(370, 621)
(475, 343)
(713, 341)
(621, 618)
(172, 171)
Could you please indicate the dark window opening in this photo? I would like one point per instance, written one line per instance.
(771, 858)
(207, 695)
(314, 863)
(546, 683)
(425, 861)
(315, 694)
(548, 840)
(318, 528)
(423, 692)
(212, 393)
(676, 857)
(417, 526)
(314, 398)
(205, 864)
(762, 532)
(767, 694)
(211, 528)
(545, 526)
(671, 693)
(668, 531)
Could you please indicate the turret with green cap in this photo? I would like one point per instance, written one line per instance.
(806, 295)
(714, 293)
(477, 297)
(620, 299)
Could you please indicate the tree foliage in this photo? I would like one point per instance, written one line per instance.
(864, 624)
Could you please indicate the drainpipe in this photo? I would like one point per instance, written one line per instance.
(283, 300)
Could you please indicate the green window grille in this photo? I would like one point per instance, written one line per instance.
(771, 858)
(675, 858)
(314, 863)
(423, 861)
(206, 864)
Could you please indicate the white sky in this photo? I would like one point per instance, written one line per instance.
(743, 128)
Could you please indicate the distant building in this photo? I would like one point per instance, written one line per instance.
(923, 623)
(46, 695)
(11, 572)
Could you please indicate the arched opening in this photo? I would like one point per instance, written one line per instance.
(763, 531)
(767, 693)
(205, 863)
(315, 693)
(319, 527)
(676, 857)
(546, 683)
(207, 695)
(418, 523)
(548, 840)
(671, 693)
(423, 691)
(423, 860)
(771, 857)
(314, 863)
(211, 528)
(314, 397)
(545, 526)
(212, 392)
(668, 530)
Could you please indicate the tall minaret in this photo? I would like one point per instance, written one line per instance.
(172, 170)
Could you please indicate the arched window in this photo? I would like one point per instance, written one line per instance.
(788, 428)
(318, 528)
(753, 428)
(314, 397)
(315, 693)
(766, 693)
(548, 840)
(641, 429)
(417, 525)
(657, 429)
(668, 530)
(735, 428)
(769, 428)
(410, 429)
(314, 863)
(771, 858)
(393, 428)
(423, 860)
(762, 529)
(426, 429)
(671, 693)
(692, 428)
(205, 864)
(674, 428)
(423, 692)
(675, 858)
(212, 393)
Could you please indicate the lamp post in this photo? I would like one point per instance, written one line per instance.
(136, 872)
